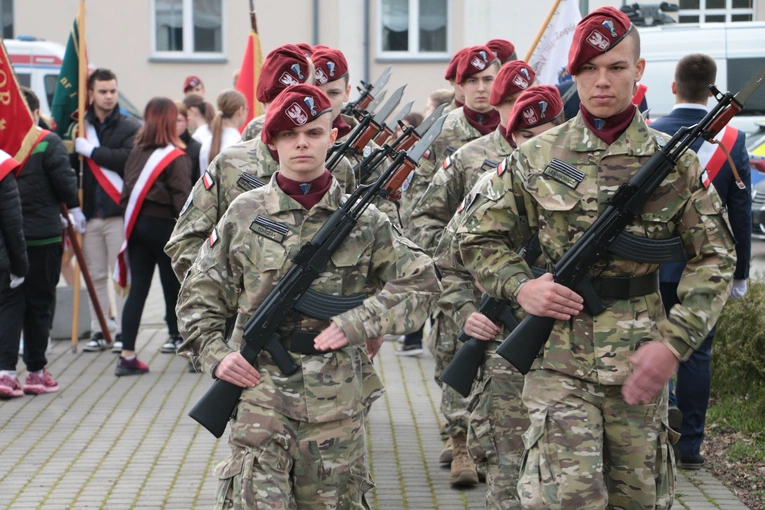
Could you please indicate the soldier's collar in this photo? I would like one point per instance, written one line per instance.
(635, 141)
(330, 201)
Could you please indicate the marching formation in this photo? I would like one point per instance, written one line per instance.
(332, 223)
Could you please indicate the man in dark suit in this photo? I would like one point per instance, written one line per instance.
(692, 75)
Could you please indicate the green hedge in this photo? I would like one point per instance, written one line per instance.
(738, 359)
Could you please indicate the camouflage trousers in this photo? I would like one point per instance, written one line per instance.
(586, 448)
(443, 344)
(279, 463)
(498, 420)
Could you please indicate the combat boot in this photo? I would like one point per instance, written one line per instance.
(463, 471)
(446, 453)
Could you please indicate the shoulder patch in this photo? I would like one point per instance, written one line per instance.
(249, 182)
(462, 205)
(447, 162)
(269, 228)
(213, 237)
(705, 180)
(426, 154)
(207, 180)
(501, 167)
(187, 204)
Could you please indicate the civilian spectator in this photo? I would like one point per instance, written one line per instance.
(192, 146)
(436, 99)
(200, 114)
(225, 126)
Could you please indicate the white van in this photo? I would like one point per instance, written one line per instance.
(37, 65)
(738, 49)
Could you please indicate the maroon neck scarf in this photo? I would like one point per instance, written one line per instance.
(342, 127)
(608, 130)
(459, 104)
(306, 194)
(485, 123)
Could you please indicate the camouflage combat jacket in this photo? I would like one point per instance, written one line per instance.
(238, 268)
(229, 175)
(254, 128)
(597, 348)
(450, 184)
(456, 132)
(451, 107)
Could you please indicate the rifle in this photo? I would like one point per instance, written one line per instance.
(367, 128)
(389, 127)
(359, 115)
(462, 370)
(367, 92)
(522, 346)
(261, 331)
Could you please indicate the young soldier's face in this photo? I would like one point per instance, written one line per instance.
(303, 149)
(459, 94)
(506, 107)
(477, 89)
(104, 94)
(523, 135)
(199, 89)
(338, 92)
(606, 82)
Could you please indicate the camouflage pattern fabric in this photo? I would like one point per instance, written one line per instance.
(279, 463)
(254, 128)
(450, 184)
(586, 448)
(451, 107)
(218, 187)
(456, 132)
(585, 361)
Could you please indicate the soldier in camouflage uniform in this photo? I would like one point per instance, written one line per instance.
(476, 70)
(286, 65)
(597, 395)
(497, 415)
(299, 441)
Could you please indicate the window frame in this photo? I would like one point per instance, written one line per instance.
(728, 11)
(414, 38)
(188, 54)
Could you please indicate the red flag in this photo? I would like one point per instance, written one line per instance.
(249, 73)
(18, 132)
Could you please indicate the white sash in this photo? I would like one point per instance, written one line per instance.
(108, 179)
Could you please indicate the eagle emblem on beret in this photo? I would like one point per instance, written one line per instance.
(530, 115)
(295, 68)
(519, 82)
(597, 40)
(609, 24)
(321, 76)
(296, 114)
(478, 63)
(287, 79)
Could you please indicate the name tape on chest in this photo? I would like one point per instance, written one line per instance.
(249, 182)
(564, 173)
(269, 228)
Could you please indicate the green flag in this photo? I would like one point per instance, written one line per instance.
(65, 97)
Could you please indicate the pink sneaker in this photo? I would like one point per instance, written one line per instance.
(36, 385)
(9, 387)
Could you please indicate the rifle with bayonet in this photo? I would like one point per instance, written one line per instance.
(359, 115)
(367, 92)
(523, 345)
(390, 127)
(369, 125)
(261, 331)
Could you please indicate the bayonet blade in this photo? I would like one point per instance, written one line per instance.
(750, 87)
(383, 79)
(433, 117)
(376, 101)
(416, 152)
(403, 112)
(389, 106)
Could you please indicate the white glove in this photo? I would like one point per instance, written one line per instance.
(738, 290)
(78, 220)
(64, 221)
(16, 280)
(84, 147)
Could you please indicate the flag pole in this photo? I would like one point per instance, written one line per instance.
(542, 29)
(257, 57)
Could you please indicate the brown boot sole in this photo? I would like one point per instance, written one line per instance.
(466, 478)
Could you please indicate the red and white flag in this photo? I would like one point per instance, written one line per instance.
(551, 53)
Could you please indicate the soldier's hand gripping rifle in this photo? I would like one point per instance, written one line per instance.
(261, 331)
(369, 125)
(367, 91)
(462, 370)
(522, 346)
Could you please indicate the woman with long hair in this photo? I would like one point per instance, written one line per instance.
(157, 183)
(225, 126)
(200, 115)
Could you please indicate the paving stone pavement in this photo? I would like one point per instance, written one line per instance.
(121, 443)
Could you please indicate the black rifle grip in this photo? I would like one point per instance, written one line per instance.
(461, 372)
(216, 406)
(280, 356)
(522, 346)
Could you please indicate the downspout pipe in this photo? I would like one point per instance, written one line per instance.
(315, 22)
(366, 40)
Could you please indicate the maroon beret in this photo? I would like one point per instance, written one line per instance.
(597, 33)
(451, 69)
(307, 49)
(502, 48)
(535, 106)
(330, 65)
(191, 82)
(284, 66)
(474, 60)
(295, 106)
(317, 47)
(513, 77)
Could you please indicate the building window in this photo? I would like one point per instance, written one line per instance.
(188, 29)
(6, 19)
(414, 29)
(715, 11)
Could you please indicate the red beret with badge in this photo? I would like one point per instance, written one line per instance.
(535, 106)
(503, 49)
(473, 61)
(296, 106)
(514, 77)
(330, 65)
(597, 33)
(307, 48)
(284, 66)
(451, 69)
(191, 82)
